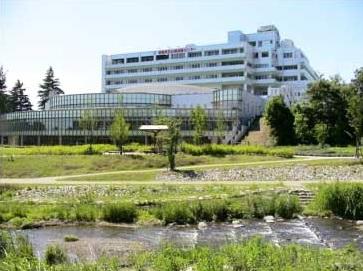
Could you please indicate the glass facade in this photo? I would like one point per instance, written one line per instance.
(62, 117)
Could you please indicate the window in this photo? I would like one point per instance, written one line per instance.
(259, 43)
(132, 60)
(132, 71)
(196, 77)
(211, 53)
(229, 51)
(195, 66)
(287, 55)
(252, 43)
(255, 55)
(108, 72)
(162, 57)
(179, 67)
(147, 69)
(256, 66)
(232, 74)
(290, 78)
(194, 54)
(132, 81)
(290, 67)
(237, 62)
(264, 54)
(148, 80)
(241, 50)
(118, 61)
(162, 69)
(147, 58)
(179, 78)
(210, 76)
(163, 79)
(261, 77)
(179, 55)
(212, 64)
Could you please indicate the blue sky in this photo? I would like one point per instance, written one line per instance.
(71, 35)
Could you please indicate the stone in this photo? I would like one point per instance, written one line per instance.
(359, 222)
(202, 225)
(269, 219)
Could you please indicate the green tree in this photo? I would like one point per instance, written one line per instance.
(199, 122)
(281, 120)
(171, 137)
(88, 123)
(119, 130)
(304, 123)
(220, 126)
(3, 95)
(50, 85)
(321, 133)
(329, 105)
(355, 110)
(18, 100)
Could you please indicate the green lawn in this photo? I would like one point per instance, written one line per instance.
(58, 165)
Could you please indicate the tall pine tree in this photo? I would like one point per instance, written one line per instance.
(18, 100)
(50, 84)
(3, 95)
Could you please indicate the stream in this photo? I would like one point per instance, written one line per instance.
(95, 241)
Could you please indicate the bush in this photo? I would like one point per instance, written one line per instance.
(287, 205)
(54, 254)
(175, 212)
(70, 238)
(219, 150)
(120, 212)
(342, 199)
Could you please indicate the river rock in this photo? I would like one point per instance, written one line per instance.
(359, 222)
(202, 225)
(269, 219)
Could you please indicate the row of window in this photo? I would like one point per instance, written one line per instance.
(177, 78)
(178, 55)
(287, 67)
(178, 67)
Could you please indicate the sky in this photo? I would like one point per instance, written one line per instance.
(72, 35)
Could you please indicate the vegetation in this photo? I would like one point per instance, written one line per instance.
(218, 149)
(119, 130)
(3, 95)
(199, 121)
(18, 100)
(321, 133)
(220, 126)
(70, 238)
(252, 254)
(54, 254)
(50, 86)
(341, 199)
(88, 123)
(281, 121)
(120, 213)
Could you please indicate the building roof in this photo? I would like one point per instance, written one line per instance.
(164, 88)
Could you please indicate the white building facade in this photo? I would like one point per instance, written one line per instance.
(252, 62)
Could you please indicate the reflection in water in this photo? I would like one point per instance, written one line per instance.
(97, 241)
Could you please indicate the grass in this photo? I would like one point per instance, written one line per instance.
(70, 238)
(327, 151)
(250, 254)
(59, 165)
(341, 199)
(119, 213)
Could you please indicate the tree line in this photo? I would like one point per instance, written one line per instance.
(331, 114)
(16, 100)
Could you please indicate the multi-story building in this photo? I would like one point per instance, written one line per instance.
(252, 62)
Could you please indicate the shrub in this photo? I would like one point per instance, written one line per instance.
(219, 150)
(210, 211)
(287, 205)
(70, 238)
(342, 199)
(120, 212)
(54, 254)
(85, 213)
(172, 212)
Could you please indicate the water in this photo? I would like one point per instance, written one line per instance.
(95, 241)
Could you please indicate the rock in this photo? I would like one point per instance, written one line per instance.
(269, 219)
(359, 222)
(237, 223)
(202, 225)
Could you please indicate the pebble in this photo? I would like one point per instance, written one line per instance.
(269, 219)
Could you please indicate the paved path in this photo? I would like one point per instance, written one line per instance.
(63, 179)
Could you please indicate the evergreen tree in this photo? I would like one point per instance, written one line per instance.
(281, 121)
(3, 95)
(18, 100)
(50, 84)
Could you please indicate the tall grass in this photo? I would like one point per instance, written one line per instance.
(71, 150)
(252, 254)
(120, 213)
(285, 206)
(216, 149)
(342, 199)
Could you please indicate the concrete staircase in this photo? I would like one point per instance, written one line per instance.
(259, 134)
(305, 196)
